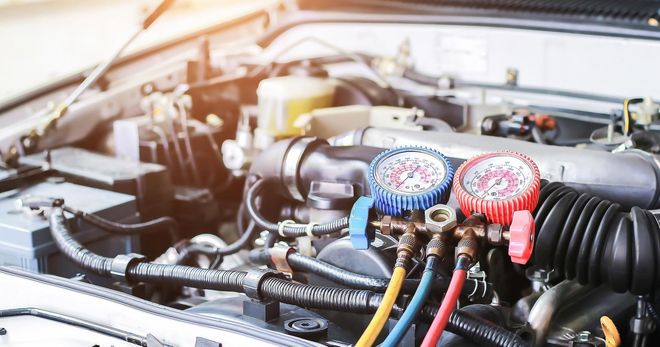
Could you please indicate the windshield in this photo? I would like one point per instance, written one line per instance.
(46, 40)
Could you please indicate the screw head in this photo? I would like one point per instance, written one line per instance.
(583, 336)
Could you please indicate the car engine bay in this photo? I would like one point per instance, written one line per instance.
(342, 178)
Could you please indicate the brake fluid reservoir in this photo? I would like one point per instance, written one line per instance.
(283, 99)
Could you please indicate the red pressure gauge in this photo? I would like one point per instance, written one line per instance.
(497, 184)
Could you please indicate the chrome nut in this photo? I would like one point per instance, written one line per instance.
(494, 234)
(440, 218)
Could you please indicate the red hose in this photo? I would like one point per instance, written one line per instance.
(448, 303)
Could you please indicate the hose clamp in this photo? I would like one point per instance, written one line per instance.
(308, 230)
(122, 262)
(253, 280)
(278, 256)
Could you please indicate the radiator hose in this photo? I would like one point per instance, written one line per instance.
(583, 237)
(339, 299)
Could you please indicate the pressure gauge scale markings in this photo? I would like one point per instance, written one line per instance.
(497, 184)
(409, 178)
(410, 174)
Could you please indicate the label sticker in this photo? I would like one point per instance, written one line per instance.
(462, 54)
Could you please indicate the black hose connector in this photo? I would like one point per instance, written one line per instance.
(583, 237)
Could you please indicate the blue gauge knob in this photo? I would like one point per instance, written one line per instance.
(409, 178)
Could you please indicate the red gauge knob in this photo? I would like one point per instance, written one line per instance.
(521, 237)
(497, 184)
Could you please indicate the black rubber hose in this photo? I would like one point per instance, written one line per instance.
(351, 279)
(73, 250)
(594, 241)
(231, 248)
(308, 296)
(188, 276)
(478, 330)
(154, 225)
(287, 230)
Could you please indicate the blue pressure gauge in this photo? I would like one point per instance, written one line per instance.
(409, 178)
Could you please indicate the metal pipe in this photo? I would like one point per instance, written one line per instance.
(631, 178)
(540, 317)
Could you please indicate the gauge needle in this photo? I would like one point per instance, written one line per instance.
(409, 175)
(496, 183)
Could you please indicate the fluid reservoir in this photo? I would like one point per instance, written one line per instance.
(283, 99)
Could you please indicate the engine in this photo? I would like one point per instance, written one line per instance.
(344, 199)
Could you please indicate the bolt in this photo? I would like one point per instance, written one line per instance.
(3, 331)
(583, 336)
(494, 233)
(512, 76)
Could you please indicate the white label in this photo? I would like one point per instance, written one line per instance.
(462, 55)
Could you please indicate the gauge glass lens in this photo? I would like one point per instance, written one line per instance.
(500, 177)
(410, 172)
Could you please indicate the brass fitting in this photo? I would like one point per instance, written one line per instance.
(389, 225)
(468, 246)
(438, 246)
(408, 246)
(475, 224)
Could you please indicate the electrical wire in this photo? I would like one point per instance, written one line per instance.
(448, 304)
(286, 230)
(166, 145)
(382, 314)
(177, 146)
(183, 115)
(159, 224)
(415, 306)
(479, 331)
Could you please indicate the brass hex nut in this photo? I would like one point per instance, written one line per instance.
(494, 234)
(386, 225)
(440, 218)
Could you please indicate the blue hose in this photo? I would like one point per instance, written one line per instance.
(416, 304)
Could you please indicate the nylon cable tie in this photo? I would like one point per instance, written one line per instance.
(280, 226)
(308, 230)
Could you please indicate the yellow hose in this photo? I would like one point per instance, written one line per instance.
(612, 337)
(383, 313)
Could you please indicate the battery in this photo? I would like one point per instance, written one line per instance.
(25, 239)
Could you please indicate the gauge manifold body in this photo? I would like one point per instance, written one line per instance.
(409, 178)
(497, 184)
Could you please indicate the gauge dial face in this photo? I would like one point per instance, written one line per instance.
(410, 172)
(501, 176)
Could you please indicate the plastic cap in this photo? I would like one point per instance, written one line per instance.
(521, 237)
(359, 229)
